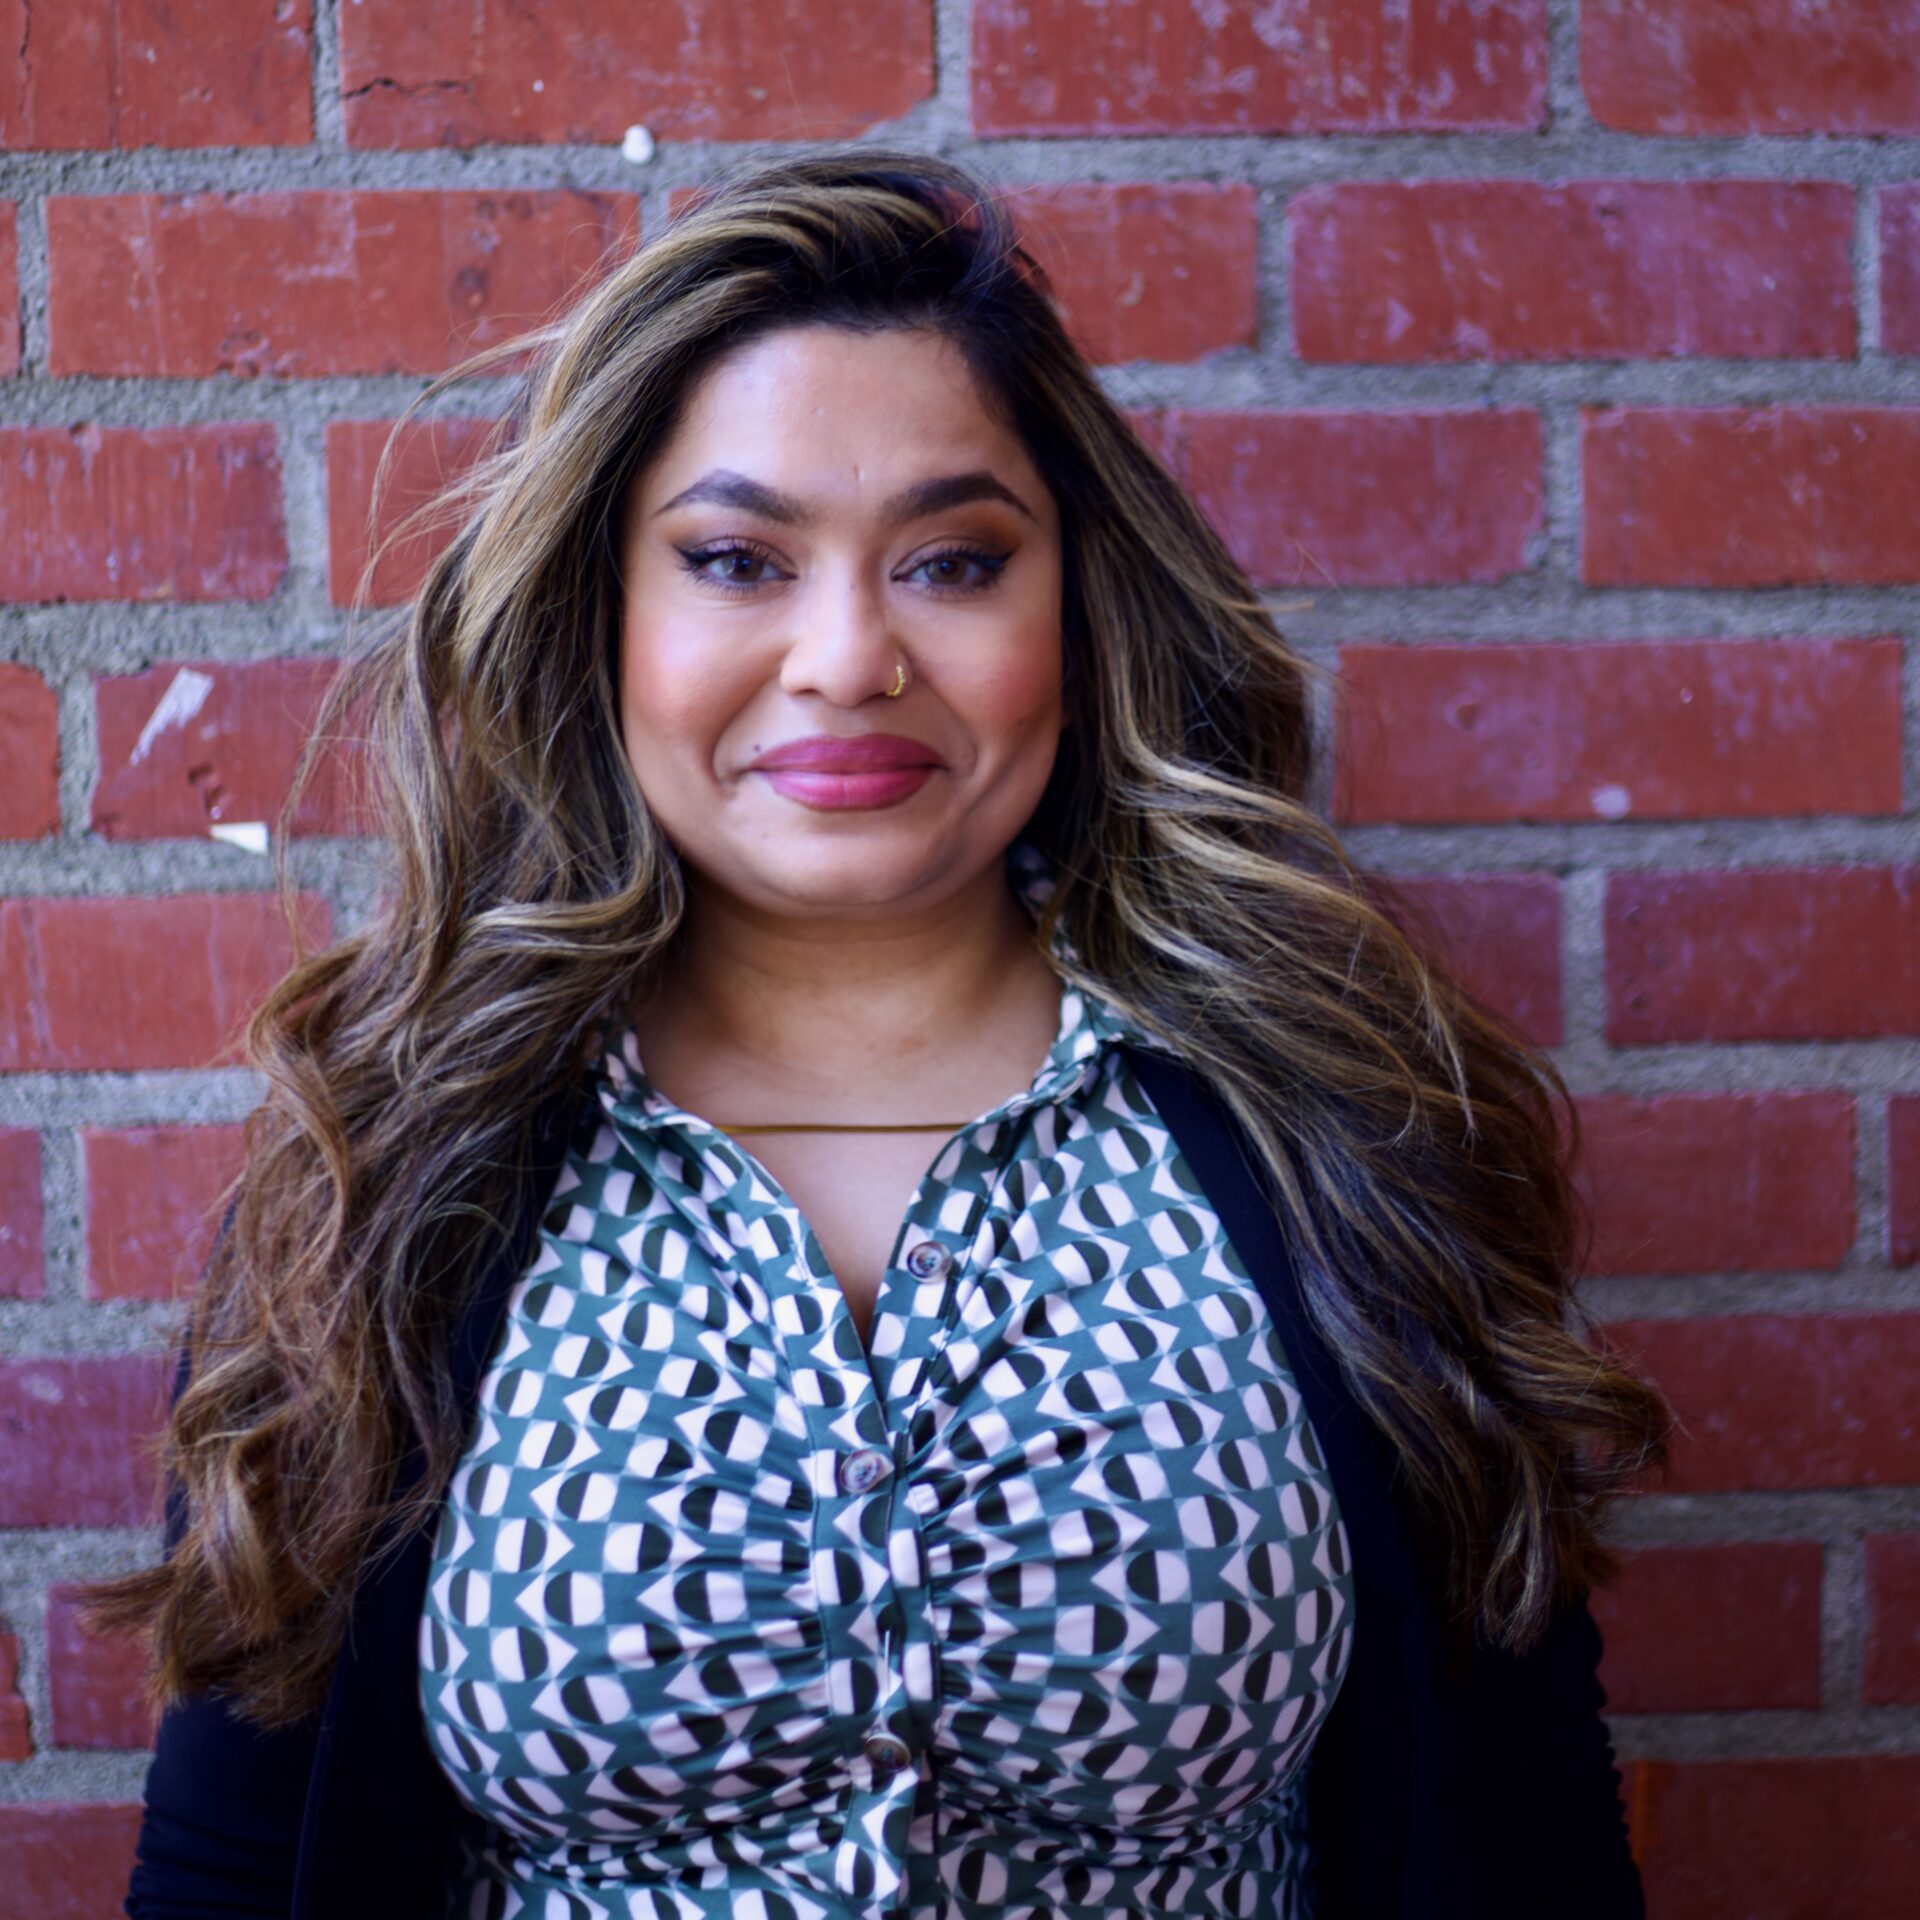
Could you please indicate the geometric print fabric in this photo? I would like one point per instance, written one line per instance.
(1030, 1606)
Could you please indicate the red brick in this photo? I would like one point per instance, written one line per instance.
(1751, 66)
(1608, 269)
(30, 752)
(329, 281)
(1711, 1629)
(188, 745)
(1804, 953)
(93, 1682)
(1084, 67)
(9, 285)
(1499, 933)
(1156, 271)
(1903, 1179)
(1750, 497)
(117, 984)
(75, 1434)
(1365, 499)
(1890, 1673)
(1606, 731)
(1819, 1839)
(428, 456)
(576, 71)
(1900, 269)
(153, 1201)
(138, 513)
(1718, 1182)
(22, 1260)
(1772, 1401)
(120, 74)
(66, 1860)
(16, 1729)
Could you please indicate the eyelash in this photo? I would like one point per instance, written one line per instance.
(695, 558)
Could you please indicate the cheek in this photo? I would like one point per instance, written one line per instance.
(1019, 684)
(677, 685)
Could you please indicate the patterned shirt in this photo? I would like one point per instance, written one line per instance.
(1031, 1606)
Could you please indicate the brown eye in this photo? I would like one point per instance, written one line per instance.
(989, 565)
(696, 560)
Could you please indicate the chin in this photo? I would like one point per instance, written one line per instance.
(829, 870)
(870, 867)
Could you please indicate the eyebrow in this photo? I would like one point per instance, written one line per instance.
(729, 489)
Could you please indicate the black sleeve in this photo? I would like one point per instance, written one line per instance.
(220, 1827)
(1547, 1824)
(220, 1822)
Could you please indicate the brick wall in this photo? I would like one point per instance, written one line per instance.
(1557, 367)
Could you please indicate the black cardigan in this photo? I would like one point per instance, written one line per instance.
(1438, 1787)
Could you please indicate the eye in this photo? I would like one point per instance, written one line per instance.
(943, 568)
(989, 564)
(697, 559)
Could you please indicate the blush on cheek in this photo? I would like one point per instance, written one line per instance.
(1022, 684)
(681, 681)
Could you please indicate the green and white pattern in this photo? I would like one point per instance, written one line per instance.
(1033, 1609)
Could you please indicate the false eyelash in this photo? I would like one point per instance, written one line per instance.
(989, 563)
(694, 558)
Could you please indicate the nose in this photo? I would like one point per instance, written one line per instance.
(842, 645)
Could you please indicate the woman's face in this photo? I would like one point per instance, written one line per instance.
(831, 506)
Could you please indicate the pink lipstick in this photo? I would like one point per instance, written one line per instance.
(859, 770)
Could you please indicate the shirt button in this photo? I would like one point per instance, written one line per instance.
(862, 1470)
(929, 1260)
(887, 1754)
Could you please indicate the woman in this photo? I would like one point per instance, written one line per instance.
(878, 1288)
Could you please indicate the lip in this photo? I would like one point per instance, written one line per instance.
(847, 754)
(833, 773)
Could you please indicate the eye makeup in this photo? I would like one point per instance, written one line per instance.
(695, 560)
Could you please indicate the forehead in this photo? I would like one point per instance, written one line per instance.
(840, 418)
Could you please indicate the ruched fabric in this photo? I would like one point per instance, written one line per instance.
(1032, 1605)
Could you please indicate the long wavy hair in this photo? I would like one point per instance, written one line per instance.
(1412, 1141)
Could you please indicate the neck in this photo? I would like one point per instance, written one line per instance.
(833, 1016)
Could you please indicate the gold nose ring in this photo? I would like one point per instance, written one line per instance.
(899, 681)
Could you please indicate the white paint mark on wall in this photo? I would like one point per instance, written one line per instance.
(248, 835)
(186, 694)
(1611, 803)
(637, 147)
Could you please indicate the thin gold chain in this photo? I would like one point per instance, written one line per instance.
(839, 1126)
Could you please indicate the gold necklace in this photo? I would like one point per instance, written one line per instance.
(844, 1126)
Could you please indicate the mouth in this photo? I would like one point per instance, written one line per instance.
(835, 775)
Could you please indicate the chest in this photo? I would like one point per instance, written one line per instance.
(855, 1191)
(1054, 1556)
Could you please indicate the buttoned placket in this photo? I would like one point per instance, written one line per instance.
(870, 1572)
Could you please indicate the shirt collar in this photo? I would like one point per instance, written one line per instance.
(1090, 1023)
(1089, 1027)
